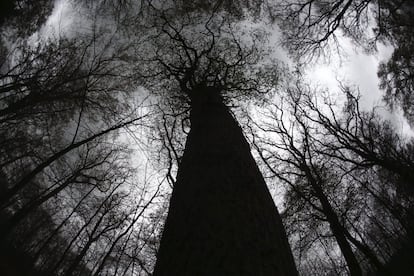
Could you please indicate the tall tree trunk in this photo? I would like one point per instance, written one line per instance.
(222, 219)
(336, 227)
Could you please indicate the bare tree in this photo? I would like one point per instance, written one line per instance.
(63, 102)
(222, 219)
(334, 162)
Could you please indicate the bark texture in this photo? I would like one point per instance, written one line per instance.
(222, 219)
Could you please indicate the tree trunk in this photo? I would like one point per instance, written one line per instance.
(336, 227)
(222, 219)
(346, 249)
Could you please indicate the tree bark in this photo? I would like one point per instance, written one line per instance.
(222, 219)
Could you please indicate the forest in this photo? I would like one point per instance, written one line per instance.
(206, 138)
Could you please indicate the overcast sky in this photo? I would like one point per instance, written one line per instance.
(354, 67)
(359, 69)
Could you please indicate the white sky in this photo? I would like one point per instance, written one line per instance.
(353, 67)
(359, 69)
(60, 20)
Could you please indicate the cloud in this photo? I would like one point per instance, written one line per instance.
(60, 21)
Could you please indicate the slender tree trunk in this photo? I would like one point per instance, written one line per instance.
(369, 253)
(222, 219)
(346, 249)
(6, 196)
(25, 211)
(336, 227)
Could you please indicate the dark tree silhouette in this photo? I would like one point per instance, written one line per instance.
(63, 102)
(305, 167)
(341, 182)
(222, 219)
